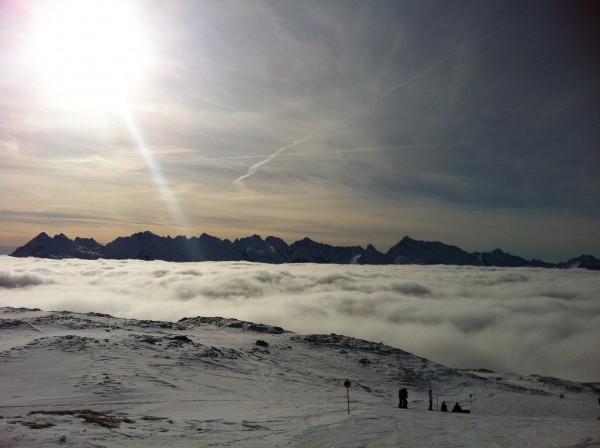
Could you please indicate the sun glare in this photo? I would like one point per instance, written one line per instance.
(89, 54)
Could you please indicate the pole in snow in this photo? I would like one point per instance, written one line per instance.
(347, 385)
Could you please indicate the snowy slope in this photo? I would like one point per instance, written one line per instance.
(91, 380)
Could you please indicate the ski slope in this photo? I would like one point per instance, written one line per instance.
(91, 380)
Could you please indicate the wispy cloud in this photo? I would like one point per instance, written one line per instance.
(254, 168)
(388, 93)
(443, 59)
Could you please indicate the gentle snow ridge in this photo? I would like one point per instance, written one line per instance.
(92, 380)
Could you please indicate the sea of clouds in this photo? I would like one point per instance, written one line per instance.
(542, 321)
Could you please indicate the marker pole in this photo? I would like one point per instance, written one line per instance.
(347, 385)
(348, 393)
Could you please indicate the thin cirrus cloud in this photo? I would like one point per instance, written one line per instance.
(481, 113)
(525, 321)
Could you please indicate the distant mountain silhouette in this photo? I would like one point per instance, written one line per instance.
(42, 246)
(273, 250)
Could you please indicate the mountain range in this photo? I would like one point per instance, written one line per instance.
(273, 250)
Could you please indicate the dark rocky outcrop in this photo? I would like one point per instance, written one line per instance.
(273, 250)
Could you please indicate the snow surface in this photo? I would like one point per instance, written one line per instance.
(91, 380)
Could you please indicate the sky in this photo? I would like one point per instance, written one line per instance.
(350, 122)
(524, 321)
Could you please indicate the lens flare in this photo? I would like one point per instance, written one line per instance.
(158, 177)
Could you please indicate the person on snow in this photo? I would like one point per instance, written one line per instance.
(403, 396)
(444, 408)
(430, 400)
(457, 408)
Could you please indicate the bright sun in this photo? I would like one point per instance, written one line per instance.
(89, 54)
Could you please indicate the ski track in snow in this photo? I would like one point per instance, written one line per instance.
(207, 383)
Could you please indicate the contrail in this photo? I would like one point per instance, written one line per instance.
(442, 60)
(254, 168)
(326, 153)
(421, 73)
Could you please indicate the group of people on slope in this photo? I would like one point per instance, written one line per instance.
(456, 408)
(403, 403)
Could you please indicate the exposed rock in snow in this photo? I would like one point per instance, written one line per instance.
(409, 251)
(583, 261)
(255, 249)
(60, 246)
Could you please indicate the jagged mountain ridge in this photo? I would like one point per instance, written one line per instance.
(273, 250)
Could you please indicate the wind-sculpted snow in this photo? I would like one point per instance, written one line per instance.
(16, 324)
(345, 342)
(525, 320)
(91, 379)
(231, 323)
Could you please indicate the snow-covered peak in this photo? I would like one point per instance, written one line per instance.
(409, 251)
(583, 261)
(60, 246)
(255, 249)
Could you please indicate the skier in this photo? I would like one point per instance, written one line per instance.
(444, 408)
(430, 400)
